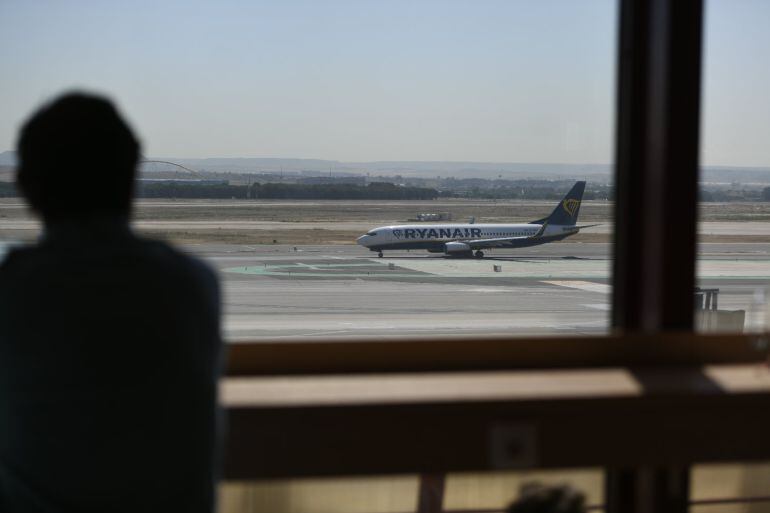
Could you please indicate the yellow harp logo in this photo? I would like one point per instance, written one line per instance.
(570, 205)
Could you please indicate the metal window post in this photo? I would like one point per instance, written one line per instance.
(658, 121)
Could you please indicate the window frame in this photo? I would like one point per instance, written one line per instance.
(656, 171)
(297, 356)
(653, 276)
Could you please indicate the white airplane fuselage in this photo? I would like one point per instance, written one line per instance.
(471, 239)
(454, 238)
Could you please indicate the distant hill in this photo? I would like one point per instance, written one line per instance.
(8, 158)
(425, 169)
(7, 174)
(432, 169)
(254, 165)
(744, 175)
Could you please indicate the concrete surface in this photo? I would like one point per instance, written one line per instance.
(345, 291)
(273, 291)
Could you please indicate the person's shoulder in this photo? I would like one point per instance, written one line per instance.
(176, 261)
(182, 275)
(18, 258)
(19, 254)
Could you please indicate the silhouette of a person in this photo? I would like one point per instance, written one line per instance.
(109, 343)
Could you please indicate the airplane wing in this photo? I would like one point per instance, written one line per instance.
(493, 243)
(503, 241)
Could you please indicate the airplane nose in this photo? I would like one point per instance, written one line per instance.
(362, 240)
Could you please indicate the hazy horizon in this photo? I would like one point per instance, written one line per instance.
(3, 153)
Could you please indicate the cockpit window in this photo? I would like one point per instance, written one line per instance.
(372, 233)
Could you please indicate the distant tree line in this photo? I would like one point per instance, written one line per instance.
(727, 195)
(191, 190)
(8, 190)
(536, 193)
(383, 191)
(372, 191)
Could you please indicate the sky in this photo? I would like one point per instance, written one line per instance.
(364, 80)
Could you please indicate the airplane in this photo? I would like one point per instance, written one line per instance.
(466, 240)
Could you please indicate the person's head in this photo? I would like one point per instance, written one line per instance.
(77, 159)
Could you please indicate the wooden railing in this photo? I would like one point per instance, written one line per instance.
(436, 406)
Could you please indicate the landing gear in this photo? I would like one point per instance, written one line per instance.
(379, 254)
(479, 254)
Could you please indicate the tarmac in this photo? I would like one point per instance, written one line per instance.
(342, 291)
(274, 292)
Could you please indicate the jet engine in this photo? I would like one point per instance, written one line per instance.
(456, 247)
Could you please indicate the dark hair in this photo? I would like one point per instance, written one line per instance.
(77, 159)
(537, 498)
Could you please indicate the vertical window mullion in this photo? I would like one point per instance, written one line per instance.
(656, 176)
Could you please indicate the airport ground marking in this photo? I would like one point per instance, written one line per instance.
(561, 277)
(378, 270)
(602, 288)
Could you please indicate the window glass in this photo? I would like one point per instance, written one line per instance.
(734, 229)
(733, 487)
(277, 136)
(488, 492)
(391, 494)
(493, 491)
(723, 487)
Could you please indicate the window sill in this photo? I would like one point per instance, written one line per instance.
(470, 421)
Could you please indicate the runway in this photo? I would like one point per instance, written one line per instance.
(273, 291)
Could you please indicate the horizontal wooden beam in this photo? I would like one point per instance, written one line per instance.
(489, 353)
(671, 417)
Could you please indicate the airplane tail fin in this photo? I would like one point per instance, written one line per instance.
(566, 212)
